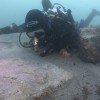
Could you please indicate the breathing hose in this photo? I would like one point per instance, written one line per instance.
(23, 45)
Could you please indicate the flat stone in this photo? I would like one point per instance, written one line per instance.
(24, 77)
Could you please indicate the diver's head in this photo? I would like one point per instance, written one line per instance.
(35, 26)
(34, 20)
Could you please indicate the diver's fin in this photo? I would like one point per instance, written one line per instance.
(95, 12)
(46, 4)
(13, 28)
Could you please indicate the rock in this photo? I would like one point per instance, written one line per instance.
(90, 44)
(23, 76)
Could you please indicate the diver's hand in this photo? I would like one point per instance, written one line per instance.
(64, 53)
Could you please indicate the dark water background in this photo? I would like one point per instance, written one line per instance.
(15, 10)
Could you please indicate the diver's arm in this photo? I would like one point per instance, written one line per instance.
(46, 4)
(12, 29)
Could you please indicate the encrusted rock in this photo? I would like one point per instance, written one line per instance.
(90, 44)
(30, 78)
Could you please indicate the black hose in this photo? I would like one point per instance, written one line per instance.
(23, 45)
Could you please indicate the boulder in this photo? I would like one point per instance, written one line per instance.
(90, 44)
(24, 76)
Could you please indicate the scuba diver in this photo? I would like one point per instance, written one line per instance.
(54, 29)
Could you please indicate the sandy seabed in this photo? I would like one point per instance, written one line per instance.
(85, 84)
